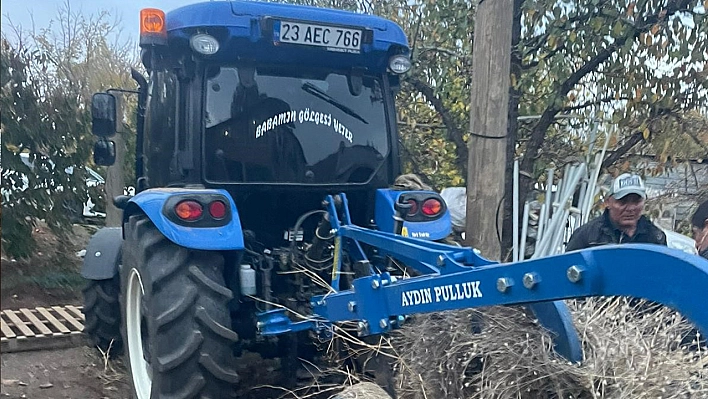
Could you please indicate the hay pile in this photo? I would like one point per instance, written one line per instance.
(628, 354)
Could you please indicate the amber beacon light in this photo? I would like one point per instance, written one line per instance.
(153, 29)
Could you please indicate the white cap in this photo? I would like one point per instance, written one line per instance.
(628, 183)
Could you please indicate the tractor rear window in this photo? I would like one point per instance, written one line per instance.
(268, 125)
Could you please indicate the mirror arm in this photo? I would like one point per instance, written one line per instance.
(123, 91)
(142, 104)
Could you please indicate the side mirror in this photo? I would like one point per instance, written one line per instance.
(104, 152)
(103, 115)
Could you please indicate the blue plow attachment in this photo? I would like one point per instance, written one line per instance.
(458, 278)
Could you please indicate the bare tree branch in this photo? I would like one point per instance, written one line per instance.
(615, 155)
(547, 118)
(591, 102)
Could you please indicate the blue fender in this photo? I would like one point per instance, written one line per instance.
(227, 236)
(427, 230)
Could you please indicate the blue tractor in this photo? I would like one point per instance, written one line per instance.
(264, 214)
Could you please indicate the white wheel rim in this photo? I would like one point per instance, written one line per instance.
(140, 369)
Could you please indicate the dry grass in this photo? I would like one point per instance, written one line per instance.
(627, 355)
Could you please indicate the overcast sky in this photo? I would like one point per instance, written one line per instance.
(22, 12)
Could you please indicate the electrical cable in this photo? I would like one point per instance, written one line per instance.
(499, 235)
(483, 136)
(298, 223)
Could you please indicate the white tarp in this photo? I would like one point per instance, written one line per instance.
(456, 200)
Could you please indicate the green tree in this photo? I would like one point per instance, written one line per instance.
(434, 98)
(47, 126)
(87, 55)
(626, 63)
(48, 77)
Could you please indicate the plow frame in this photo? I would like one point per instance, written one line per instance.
(456, 278)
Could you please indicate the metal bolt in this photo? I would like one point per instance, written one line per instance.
(351, 306)
(362, 327)
(441, 260)
(504, 283)
(575, 273)
(531, 279)
(383, 323)
(375, 284)
(97, 254)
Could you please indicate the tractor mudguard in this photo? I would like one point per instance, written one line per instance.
(206, 233)
(103, 254)
(435, 228)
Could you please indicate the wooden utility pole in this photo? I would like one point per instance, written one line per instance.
(488, 124)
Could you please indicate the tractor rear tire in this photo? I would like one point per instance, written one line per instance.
(177, 325)
(102, 312)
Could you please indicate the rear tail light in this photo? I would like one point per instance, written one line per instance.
(217, 209)
(414, 207)
(431, 207)
(189, 210)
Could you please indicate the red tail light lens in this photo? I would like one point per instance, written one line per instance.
(414, 207)
(431, 207)
(217, 209)
(189, 210)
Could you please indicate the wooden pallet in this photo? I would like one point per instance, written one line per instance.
(41, 328)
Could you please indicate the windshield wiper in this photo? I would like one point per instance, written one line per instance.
(317, 92)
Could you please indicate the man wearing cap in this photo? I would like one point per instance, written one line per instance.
(622, 222)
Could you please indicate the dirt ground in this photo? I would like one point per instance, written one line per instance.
(77, 373)
(52, 277)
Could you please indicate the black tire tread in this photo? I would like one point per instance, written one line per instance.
(172, 265)
(207, 321)
(177, 309)
(187, 349)
(108, 297)
(199, 277)
(102, 313)
(186, 308)
(190, 390)
(216, 370)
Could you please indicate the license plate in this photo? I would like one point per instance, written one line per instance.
(333, 38)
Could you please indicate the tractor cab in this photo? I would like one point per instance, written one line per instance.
(279, 105)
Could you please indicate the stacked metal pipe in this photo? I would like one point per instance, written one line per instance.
(567, 204)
